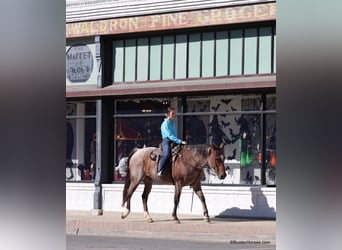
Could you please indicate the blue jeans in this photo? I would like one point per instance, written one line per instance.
(166, 145)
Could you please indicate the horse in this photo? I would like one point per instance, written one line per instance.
(186, 170)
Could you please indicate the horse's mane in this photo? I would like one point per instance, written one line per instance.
(201, 149)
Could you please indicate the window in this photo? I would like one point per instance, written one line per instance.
(227, 52)
(137, 124)
(270, 136)
(245, 123)
(81, 140)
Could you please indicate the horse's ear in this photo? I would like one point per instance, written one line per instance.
(222, 145)
(210, 148)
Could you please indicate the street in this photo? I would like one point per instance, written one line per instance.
(81, 242)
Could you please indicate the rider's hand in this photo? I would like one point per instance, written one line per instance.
(183, 142)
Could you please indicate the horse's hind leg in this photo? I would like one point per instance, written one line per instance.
(132, 187)
(147, 189)
(198, 190)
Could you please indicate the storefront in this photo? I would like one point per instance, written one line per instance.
(216, 65)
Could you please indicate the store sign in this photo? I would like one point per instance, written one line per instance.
(239, 14)
(79, 63)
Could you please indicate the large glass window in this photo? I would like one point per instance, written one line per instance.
(137, 124)
(130, 60)
(81, 141)
(222, 52)
(245, 123)
(167, 58)
(265, 50)
(208, 54)
(142, 67)
(180, 61)
(236, 52)
(155, 58)
(251, 49)
(194, 55)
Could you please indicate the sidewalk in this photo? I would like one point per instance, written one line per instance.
(191, 226)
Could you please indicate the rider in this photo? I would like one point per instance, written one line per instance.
(168, 132)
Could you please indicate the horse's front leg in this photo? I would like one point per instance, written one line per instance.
(198, 190)
(147, 189)
(178, 190)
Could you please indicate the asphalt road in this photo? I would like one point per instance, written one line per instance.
(82, 242)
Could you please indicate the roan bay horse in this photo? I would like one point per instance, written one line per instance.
(186, 170)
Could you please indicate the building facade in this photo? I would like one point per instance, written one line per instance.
(214, 61)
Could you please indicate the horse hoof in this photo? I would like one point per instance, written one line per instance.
(176, 221)
(125, 214)
(206, 219)
(147, 217)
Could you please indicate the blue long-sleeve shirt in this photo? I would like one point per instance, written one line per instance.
(168, 130)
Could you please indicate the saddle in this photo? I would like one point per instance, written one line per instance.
(158, 152)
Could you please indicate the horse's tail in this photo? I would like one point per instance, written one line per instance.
(127, 179)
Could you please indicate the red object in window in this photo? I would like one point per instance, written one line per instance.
(259, 157)
(273, 159)
(87, 175)
(117, 175)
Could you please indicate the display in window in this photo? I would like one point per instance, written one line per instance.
(127, 136)
(195, 131)
(217, 134)
(84, 172)
(69, 150)
(121, 169)
(271, 159)
(242, 165)
(93, 157)
(246, 169)
(87, 171)
(227, 127)
(80, 142)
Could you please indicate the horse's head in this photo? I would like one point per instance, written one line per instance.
(216, 160)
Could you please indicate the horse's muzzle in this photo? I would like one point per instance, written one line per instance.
(222, 176)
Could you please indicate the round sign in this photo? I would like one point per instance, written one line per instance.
(79, 63)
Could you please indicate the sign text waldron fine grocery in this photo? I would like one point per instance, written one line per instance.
(250, 13)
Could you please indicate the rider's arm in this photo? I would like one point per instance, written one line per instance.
(168, 131)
